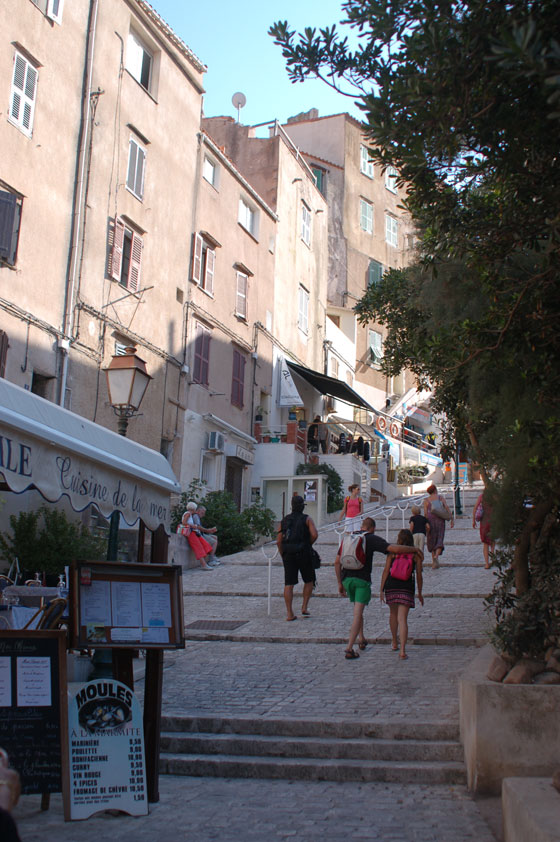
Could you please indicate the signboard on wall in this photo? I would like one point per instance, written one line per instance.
(106, 750)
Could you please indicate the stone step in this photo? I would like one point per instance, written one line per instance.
(329, 728)
(334, 750)
(223, 766)
(311, 747)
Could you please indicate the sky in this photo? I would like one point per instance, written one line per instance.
(230, 38)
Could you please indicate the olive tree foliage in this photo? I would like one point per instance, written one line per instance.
(463, 99)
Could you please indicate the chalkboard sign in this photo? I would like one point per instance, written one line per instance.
(33, 707)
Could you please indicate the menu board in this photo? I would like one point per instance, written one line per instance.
(106, 750)
(127, 605)
(33, 706)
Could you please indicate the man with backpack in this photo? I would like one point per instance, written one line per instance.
(295, 538)
(353, 565)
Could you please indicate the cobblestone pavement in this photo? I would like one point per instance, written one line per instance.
(226, 810)
(266, 667)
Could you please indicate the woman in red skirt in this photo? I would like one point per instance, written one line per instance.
(198, 544)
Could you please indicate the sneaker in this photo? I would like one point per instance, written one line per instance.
(208, 567)
(215, 562)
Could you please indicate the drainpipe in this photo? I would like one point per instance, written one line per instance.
(78, 202)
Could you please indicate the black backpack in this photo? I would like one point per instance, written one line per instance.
(295, 534)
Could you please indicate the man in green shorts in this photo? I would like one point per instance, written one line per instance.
(356, 584)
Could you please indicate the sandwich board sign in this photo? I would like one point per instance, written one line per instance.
(106, 750)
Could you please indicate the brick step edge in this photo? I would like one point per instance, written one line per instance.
(323, 770)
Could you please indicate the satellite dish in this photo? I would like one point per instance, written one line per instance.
(238, 101)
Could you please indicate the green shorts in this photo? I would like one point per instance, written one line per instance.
(358, 590)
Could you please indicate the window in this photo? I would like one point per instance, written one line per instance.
(303, 310)
(366, 216)
(4, 345)
(136, 167)
(366, 164)
(248, 218)
(139, 61)
(23, 94)
(42, 385)
(210, 172)
(126, 256)
(391, 230)
(375, 341)
(390, 179)
(201, 355)
(305, 224)
(375, 272)
(10, 220)
(203, 264)
(334, 367)
(54, 10)
(238, 378)
(320, 178)
(241, 295)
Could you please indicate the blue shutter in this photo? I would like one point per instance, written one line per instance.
(8, 202)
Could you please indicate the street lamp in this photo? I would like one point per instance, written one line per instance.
(127, 381)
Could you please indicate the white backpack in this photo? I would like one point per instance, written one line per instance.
(353, 551)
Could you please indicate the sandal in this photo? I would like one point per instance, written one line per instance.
(362, 645)
(350, 655)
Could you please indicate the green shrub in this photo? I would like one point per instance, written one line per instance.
(261, 520)
(236, 531)
(48, 550)
(335, 494)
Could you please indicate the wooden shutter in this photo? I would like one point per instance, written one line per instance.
(4, 345)
(238, 379)
(196, 270)
(117, 231)
(135, 263)
(8, 203)
(209, 271)
(201, 355)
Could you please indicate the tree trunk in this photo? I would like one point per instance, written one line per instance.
(525, 543)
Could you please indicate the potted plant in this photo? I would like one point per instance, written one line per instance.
(48, 549)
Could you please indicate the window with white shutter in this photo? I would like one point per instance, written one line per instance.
(391, 230)
(241, 295)
(23, 94)
(54, 10)
(366, 216)
(139, 61)
(305, 224)
(391, 176)
(136, 167)
(126, 256)
(366, 164)
(203, 264)
(303, 310)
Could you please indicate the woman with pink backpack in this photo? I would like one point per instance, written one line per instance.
(397, 590)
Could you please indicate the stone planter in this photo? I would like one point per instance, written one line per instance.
(507, 730)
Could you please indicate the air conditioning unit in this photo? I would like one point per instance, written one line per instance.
(216, 442)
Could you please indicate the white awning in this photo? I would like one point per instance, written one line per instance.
(59, 453)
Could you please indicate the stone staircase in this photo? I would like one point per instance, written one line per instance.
(311, 750)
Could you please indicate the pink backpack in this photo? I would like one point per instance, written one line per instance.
(402, 565)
